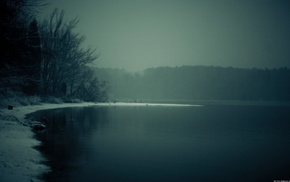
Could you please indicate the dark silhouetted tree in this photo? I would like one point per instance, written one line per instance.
(33, 61)
(15, 16)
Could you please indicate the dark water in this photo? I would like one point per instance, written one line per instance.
(210, 143)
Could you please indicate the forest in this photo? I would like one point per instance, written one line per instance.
(46, 57)
(198, 83)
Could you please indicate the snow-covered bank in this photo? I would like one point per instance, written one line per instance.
(19, 161)
(147, 104)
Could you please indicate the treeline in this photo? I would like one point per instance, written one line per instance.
(46, 57)
(199, 83)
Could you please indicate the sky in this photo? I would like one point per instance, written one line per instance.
(138, 34)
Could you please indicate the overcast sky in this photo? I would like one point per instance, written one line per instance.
(137, 34)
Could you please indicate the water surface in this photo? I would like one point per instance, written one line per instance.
(155, 143)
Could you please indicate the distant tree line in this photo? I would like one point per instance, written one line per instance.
(199, 83)
(44, 58)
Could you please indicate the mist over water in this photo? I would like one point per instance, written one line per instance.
(153, 143)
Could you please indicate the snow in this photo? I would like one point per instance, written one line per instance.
(146, 104)
(19, 161)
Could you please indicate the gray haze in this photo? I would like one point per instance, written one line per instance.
(137, 34)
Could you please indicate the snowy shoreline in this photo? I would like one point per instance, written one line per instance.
(19, 161)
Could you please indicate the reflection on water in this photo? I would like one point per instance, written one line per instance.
(210, 143)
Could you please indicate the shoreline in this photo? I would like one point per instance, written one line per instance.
(19, 160)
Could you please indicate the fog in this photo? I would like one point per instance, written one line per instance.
(135, 35)
(152, 56)
(188, 83)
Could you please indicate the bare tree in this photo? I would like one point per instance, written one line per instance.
(62, 52)
(89, 87)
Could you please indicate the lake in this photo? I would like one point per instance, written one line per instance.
(215, 142)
